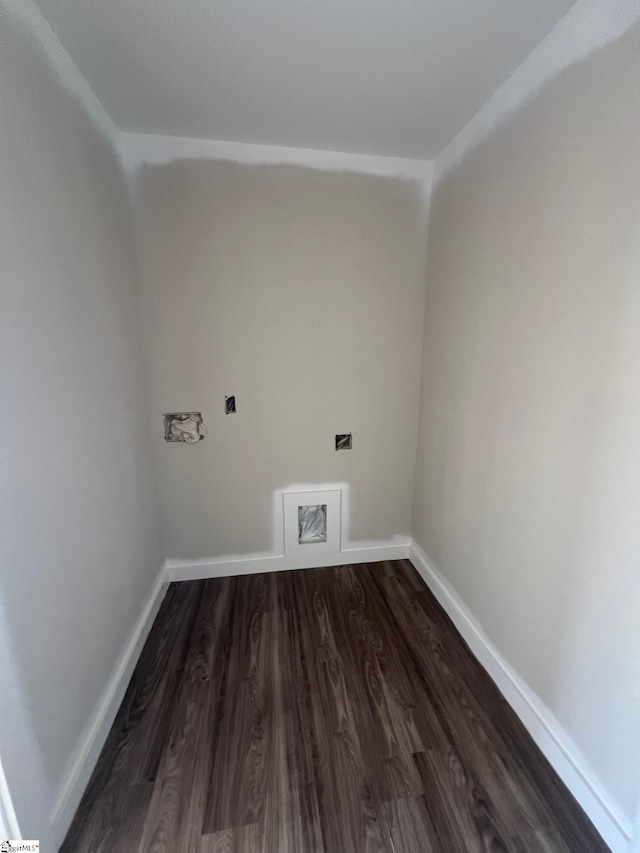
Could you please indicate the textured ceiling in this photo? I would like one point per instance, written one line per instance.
(396, 77)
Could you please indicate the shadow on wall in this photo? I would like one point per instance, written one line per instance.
(527, 488)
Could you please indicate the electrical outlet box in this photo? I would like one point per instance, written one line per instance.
(187, 427)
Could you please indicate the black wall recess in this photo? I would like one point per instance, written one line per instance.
(229, 405)
(343, 441)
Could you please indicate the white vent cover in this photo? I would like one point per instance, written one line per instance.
(312, 525)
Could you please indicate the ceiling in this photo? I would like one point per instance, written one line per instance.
(395, 77)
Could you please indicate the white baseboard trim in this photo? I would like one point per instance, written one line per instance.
(9, 827)
(221, 567)
(549, 735)
(85, 756)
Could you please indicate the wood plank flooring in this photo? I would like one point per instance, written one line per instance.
(327, 710)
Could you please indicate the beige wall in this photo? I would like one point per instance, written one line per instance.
(79, 541)
(302, 293)
(527, 484)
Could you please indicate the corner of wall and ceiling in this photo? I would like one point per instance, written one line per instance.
(588, 26)
(28, 17)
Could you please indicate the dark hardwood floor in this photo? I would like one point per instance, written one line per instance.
(333, 710)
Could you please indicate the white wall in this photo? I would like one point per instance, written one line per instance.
(80, 536)
(301, 292)
(527, 487)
